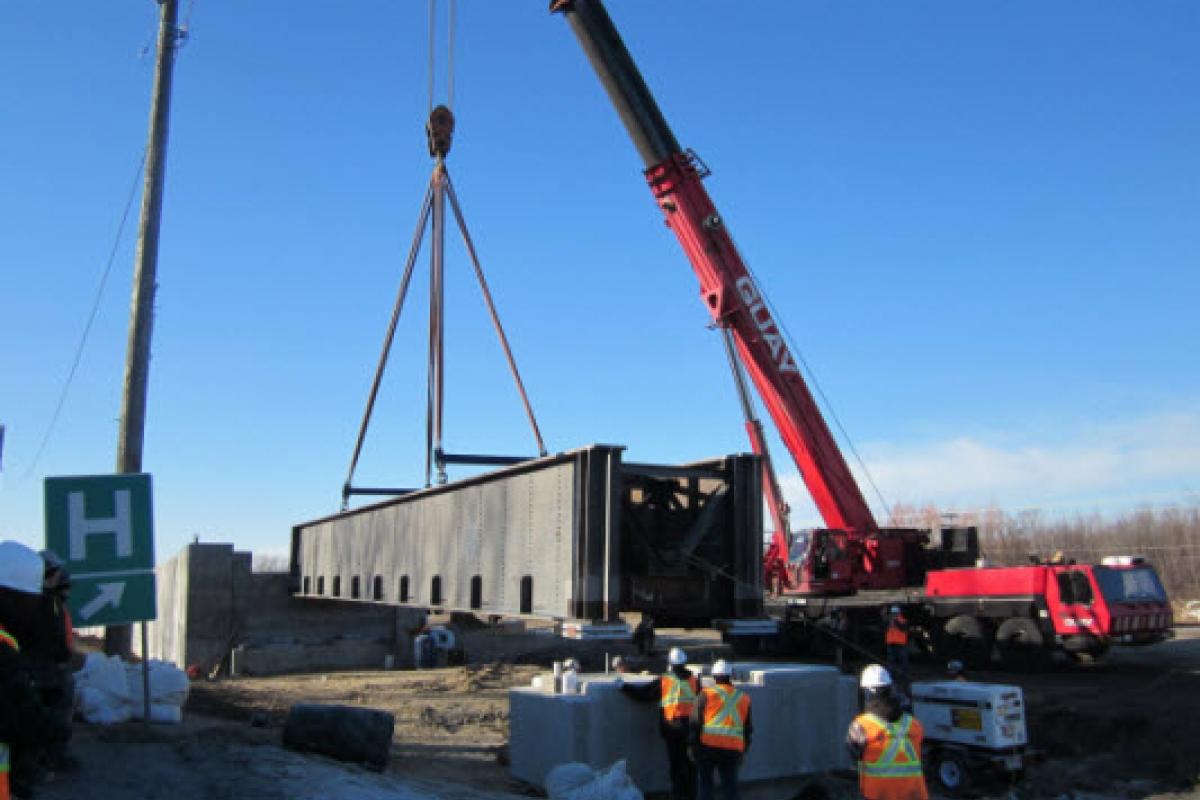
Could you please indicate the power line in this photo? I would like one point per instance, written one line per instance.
(87, 328)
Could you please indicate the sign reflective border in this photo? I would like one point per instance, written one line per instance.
(102, 527)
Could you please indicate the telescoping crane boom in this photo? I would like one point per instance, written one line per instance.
(736, 303)
(847, 574)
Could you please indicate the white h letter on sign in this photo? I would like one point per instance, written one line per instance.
(81, 527)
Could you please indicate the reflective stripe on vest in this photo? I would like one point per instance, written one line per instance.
(678, 697)
(725, 718)
(8, 639)
(4, 790)
(897, 741)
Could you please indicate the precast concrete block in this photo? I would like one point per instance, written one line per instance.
(800, 715)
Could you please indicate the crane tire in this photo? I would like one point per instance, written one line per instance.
(1022, 646)
(966, 639)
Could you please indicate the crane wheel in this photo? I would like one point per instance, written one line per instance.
(966, 639)
(1022, 646)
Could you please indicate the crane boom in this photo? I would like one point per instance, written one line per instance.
(727, 288)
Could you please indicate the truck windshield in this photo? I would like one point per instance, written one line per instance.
(1120, 585)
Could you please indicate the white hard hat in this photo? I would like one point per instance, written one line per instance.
(721, 669)
(676, 658)
(895, 609)
(875, 677)
(21, 568)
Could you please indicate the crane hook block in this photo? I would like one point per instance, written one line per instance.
(440, 131)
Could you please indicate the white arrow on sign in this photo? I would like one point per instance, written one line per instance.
(110, 594)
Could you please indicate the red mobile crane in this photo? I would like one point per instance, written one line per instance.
(853, 568)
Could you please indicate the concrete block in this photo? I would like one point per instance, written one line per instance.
(800, 715)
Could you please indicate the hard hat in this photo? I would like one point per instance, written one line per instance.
(676, 657)
(895, 609)
(954, 667)
(21, 569)
(721, 669)
(875, 677)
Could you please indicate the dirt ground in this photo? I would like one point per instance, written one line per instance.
(1123, 728)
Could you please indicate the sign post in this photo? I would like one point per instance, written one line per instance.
(102, 527)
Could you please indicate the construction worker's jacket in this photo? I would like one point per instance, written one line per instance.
(897, 631)
(24, 721)
(678, 697)
(721, 722)
(889, 764)
(675, 693)
(7, 641)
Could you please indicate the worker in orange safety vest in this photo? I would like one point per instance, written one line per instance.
(896, 640)
(675, 693)
(721, 733)
(24, 721)
(886, 742)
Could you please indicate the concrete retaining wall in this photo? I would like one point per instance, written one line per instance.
(213, 609)
(800, 716)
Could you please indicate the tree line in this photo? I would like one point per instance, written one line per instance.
(1168, 537)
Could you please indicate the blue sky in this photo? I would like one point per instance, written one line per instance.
(980, 222)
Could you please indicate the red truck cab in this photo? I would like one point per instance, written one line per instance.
(1079, 608)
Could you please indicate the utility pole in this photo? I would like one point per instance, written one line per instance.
(118, 639)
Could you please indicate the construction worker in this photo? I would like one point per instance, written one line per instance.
(675, 692)
(721, 732)
(896, 640)
(886, 742)
(24, 721)
(49, 656)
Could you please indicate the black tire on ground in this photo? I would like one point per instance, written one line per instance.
(1022, 646)
(966, 639)
(951, 773)
(360, 735)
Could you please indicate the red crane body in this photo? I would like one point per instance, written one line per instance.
(965, 608)
(847, 556)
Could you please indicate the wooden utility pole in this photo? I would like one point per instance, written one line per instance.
(118, 638)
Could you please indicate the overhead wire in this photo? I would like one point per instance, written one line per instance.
(87, 328)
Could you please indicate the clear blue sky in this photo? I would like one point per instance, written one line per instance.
(980, 221)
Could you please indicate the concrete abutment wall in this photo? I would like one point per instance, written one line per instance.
(215, 610)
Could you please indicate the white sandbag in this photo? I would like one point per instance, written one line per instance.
(168, 683)
(575, 781)
(102, 691)
(567, 778)
(615, 784)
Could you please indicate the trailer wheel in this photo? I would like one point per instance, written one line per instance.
(964, 638)
(950, 769)
(1022, 646)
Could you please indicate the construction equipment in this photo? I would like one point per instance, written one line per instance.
(853, 569)
(971, 730)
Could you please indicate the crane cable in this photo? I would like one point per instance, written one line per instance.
(451, 23)
(816, 384)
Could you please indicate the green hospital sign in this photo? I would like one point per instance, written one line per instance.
(102, 526)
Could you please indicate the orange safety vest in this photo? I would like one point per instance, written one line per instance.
(725, 711)
(896, 634)
(890, 766)
(8, 639)
(678, 696)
